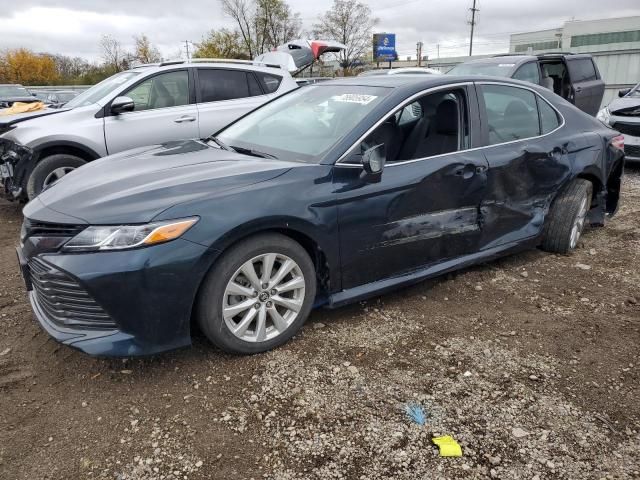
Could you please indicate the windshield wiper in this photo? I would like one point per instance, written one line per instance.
(253, 153)
(220, 143)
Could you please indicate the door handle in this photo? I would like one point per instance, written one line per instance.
(185, 118)
(578, 89)
(467, 171)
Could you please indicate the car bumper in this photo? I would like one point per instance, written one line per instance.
(631, 148)
(147, 295)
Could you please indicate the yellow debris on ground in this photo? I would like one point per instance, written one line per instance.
(22, 107)
(448, 446)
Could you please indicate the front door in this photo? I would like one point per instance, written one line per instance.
(164, 111)
(424, 207)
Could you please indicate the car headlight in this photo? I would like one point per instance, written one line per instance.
(604, 116)
(120, 237)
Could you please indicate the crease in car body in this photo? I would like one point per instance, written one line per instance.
(430, 226)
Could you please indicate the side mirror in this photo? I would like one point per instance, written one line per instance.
(374, 158)
(623, 92)
(122, 104)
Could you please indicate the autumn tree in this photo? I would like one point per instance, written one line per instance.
(145, 51)
(28, 68)
(221, 43)
(349, 22)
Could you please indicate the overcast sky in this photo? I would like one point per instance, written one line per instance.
(74, 27)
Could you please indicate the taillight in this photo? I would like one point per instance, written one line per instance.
(618, 142)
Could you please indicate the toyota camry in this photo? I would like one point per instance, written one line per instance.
(330, 194)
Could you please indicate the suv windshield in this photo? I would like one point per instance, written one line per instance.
(13, 91)
(305, 123)
(490, 69)
(100, 90)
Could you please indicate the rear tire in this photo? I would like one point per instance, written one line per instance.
(245, 313)
(49, 170)
(567, 217)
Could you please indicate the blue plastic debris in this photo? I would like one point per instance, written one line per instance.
(416, 413)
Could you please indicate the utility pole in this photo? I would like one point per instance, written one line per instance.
(419, 53)
(473, 24)
(186, 44)
(438, 45)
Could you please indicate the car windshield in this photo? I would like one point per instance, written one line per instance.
(13, 91)
(100, 90)
(490, 69)
(66, 96)
(304, 124)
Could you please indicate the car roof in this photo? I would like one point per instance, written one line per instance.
(223, 63)
(515, 59)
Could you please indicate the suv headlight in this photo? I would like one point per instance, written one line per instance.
(604, 116)
(121, 237)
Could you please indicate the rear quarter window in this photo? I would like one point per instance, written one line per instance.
(582, 70)
(270, 83)
(549, 118)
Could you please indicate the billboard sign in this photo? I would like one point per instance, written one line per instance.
(384, 47)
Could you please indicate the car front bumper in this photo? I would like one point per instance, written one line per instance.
(146, 294)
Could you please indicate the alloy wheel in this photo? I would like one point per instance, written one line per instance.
(56, 175)
(578, 223)
(263, 297)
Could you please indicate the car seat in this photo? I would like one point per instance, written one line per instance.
(444, 137)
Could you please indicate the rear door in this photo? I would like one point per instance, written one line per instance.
(586, 84)
(528, 162)
(225, 94)
(165, 110)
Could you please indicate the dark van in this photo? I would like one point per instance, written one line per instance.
(574, 77)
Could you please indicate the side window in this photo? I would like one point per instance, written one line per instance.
(582, 70)
(434, 124)
(254, 86)
(269, 82)
(549, 119)
(512, 113)
(528, 72)
(169, 89)
(218, 84)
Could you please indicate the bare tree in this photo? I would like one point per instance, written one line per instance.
(263, 24)
(145, 51)
(351, 23)
(112, 53)
(243, 13)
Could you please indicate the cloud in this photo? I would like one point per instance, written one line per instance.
(74, 27)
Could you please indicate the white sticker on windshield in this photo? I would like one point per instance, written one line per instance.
(506, 65)
(354, 98)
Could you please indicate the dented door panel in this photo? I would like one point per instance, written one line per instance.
(419, 213)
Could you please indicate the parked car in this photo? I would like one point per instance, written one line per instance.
(55, 98)
(575, 77)
(11, 93)
(623, 114)
(142, 106)
(329, 194)
(400, 71)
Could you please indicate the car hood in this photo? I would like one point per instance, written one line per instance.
(137, 185)
(21, 117)
(625, 106)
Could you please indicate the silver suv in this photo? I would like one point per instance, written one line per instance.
(146, 105)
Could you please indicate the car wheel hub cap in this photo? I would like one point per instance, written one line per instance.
(263, 297)
(56, 175)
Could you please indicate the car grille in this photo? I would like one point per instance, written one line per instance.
(632, 150)
(32, 228)
(632, 129)
(63, 300)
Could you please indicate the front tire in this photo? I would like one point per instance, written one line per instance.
(567, 217)
(49, 170)
(258, 295)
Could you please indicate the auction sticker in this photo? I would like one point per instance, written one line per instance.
(354, 98)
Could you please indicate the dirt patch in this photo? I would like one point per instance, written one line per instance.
(530, 362)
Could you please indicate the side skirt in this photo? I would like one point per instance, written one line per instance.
(379, 287)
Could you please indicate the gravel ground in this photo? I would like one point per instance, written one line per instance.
(531, 363)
